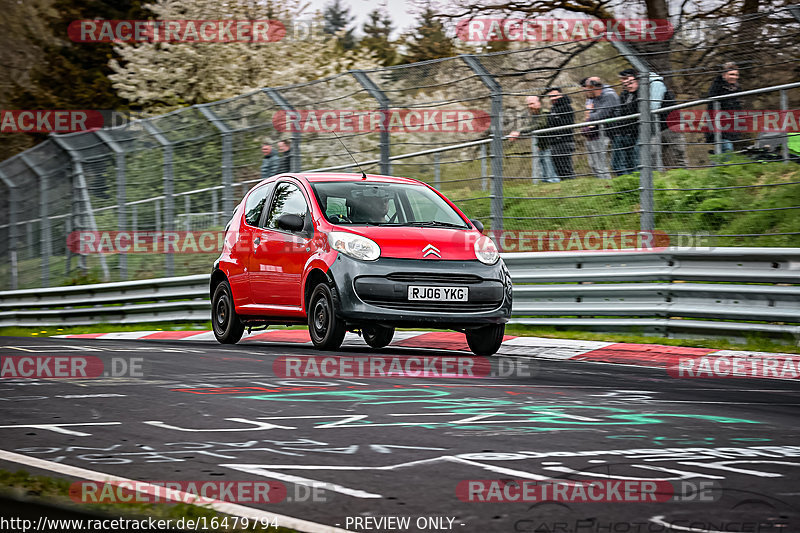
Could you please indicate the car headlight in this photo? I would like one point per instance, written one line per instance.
(486, 251)
(355, 246)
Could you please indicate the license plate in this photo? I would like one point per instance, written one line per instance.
(444, 294)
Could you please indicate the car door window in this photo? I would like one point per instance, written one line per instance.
(288, 199)
(255, 204)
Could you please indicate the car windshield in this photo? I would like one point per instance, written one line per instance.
(384, 204)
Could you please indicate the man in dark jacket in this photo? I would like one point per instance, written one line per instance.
(284, 156)
(625, 157)
(562, 143)
(270, 161)
(601, 103)
(538, 121)
(726, 83)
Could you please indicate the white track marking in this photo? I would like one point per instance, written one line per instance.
(661, 522)
(220, 506)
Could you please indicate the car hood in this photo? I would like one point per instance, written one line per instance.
(435, 244)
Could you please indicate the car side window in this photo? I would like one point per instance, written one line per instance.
(288, 199)
(255, 204)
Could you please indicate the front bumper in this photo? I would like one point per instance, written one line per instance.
(377, 291)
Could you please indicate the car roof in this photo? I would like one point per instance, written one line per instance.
(315, 177)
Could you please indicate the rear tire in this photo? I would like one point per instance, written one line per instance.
(377, 336)
(486, 340)
(228, 329)
(324, 327)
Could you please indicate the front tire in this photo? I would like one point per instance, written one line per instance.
(228, 329)
(324, 327)
(486, 340)
(377, 336)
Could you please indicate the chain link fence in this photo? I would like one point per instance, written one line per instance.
(186, 170)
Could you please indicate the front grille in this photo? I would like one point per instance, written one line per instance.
(437, 307)
(428, 277)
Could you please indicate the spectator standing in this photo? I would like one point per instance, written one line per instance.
(284, 156)
(537, 121)
(269, 163)
(626, 152)
(724, 84)
(601, 103)
(561, 143)
(625, 156)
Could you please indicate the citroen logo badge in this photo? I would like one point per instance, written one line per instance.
(431, 249)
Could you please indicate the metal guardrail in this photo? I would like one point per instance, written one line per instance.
(730, 292)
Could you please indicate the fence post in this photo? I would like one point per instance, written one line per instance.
(295, 163)
(169, 200)
(215, 206)
(82, 192)
(46, 246)
(646, 221)
(496, 94)
(13, 230)
(122, 208)
(785, 108)
(383, 104)
(484, 172)
(717, 131)
(227, 156)
(437, 172)
(187, 210)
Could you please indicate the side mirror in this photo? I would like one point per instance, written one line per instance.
(477, 223)
(291, 222)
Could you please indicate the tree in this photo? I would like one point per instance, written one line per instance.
(76, 75)
(377, 32)
(428, 40)
(46, 69)
(337, 19)
(167, 75)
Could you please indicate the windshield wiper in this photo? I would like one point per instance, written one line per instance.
(435, 223)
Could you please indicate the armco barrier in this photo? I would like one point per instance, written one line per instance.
(730, 292)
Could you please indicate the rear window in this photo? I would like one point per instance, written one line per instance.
(384, 204)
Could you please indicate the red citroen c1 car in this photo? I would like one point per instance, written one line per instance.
(363, 253)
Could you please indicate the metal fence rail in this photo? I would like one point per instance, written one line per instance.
(730, 292)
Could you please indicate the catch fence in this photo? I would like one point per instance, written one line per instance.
(186, 170)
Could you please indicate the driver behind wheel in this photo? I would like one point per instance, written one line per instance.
(370, 207)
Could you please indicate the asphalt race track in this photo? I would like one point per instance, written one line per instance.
(347, 449)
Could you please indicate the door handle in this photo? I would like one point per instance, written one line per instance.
(257, 241)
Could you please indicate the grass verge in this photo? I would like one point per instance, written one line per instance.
(22, 485)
